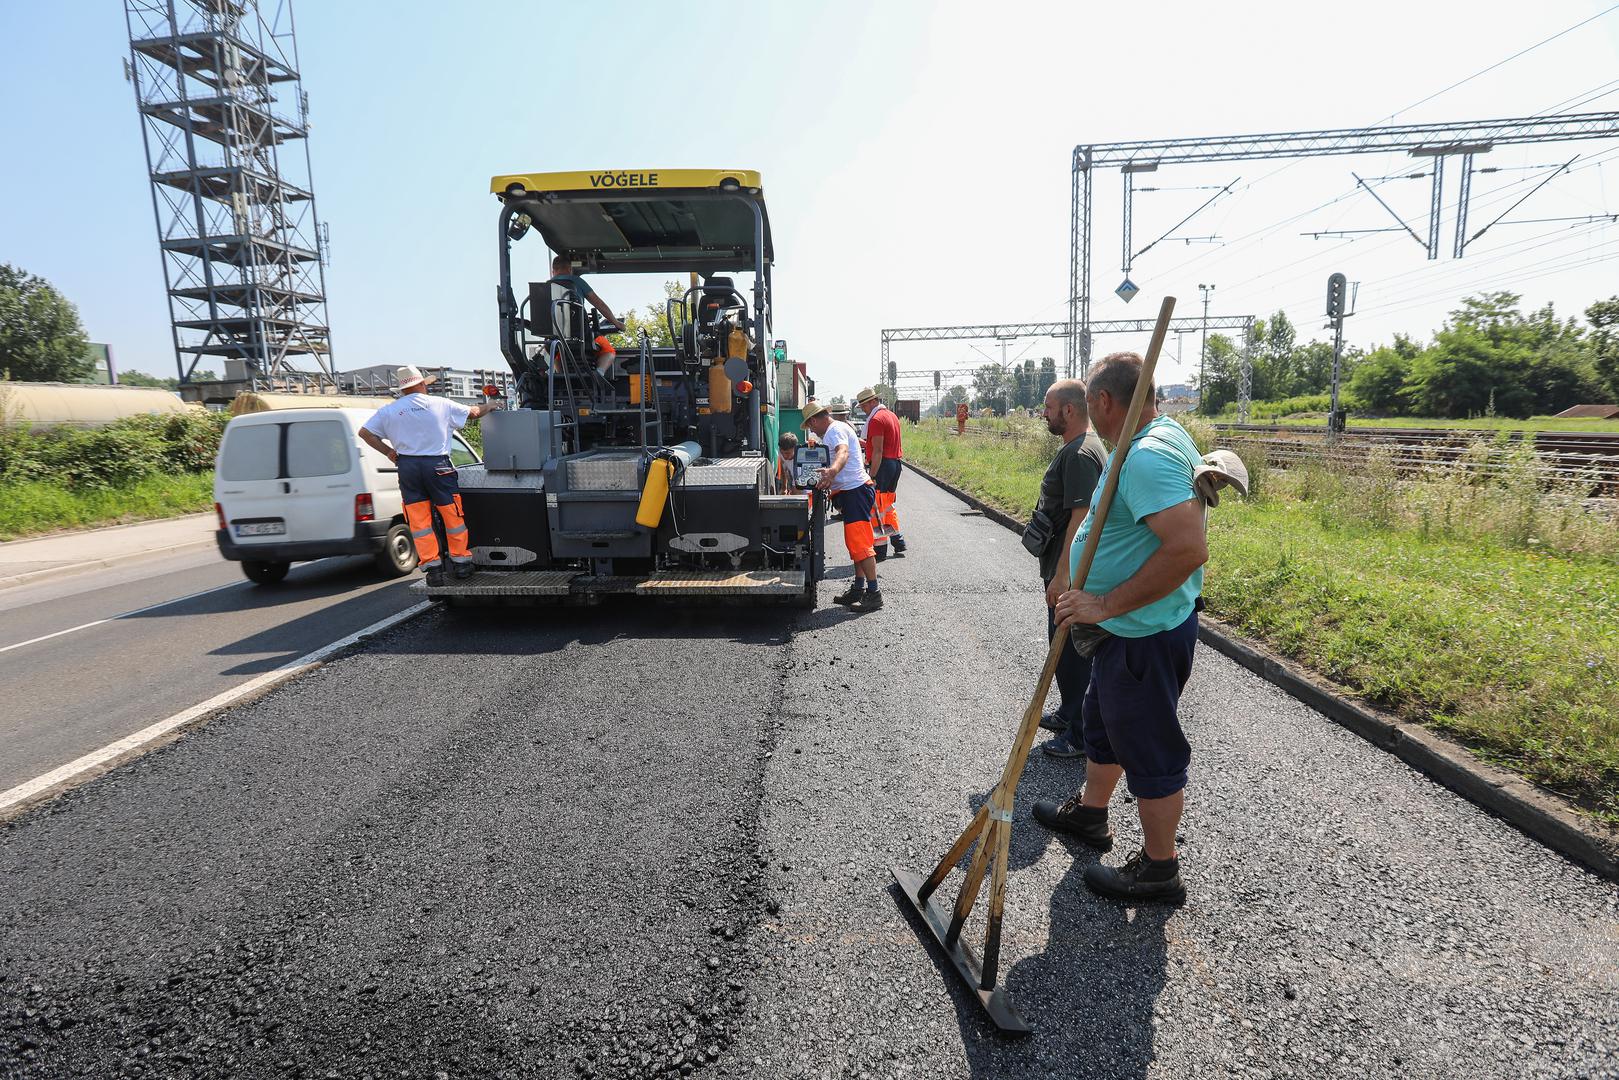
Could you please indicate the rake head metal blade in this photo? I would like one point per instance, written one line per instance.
(997, 1002)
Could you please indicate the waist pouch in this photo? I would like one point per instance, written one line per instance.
(1038, 532)
(1087, 638)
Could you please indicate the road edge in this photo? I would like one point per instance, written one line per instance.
(29, 577)
(24, 797)
(1540, 815)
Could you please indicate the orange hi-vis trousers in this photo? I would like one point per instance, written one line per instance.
(427, 484)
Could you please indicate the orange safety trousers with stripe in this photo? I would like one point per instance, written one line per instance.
(428, 484)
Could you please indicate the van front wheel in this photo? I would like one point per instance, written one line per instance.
(398, 555)
(265, 573)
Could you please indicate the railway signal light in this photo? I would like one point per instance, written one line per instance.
(1337, 295)
(893, 373)
(935, 380)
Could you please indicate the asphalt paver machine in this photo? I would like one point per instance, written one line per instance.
(654, 474)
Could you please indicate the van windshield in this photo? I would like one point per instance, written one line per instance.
(318, 448)
(251, 452)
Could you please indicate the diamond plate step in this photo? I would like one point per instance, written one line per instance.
(724, 583)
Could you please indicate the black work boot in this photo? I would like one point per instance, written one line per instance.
(1087, 824)
(1141, 880)
(871, 601)
(850, 596)
(463, 570)
(435, 578)
(897, 542)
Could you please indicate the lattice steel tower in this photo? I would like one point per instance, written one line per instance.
(225, 121)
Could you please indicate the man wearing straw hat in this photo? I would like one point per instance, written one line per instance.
(851, 491)
(1140, 599)
(883, 456)
(418, 425)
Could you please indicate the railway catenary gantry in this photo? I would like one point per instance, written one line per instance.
(1240, 324)
(1466, 140)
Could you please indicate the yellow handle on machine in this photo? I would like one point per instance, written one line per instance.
(655, 493)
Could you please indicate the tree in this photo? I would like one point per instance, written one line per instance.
(140, 378)
(1604, 318)
(1478, 362)
(1048, 375)
(1222, 365)
(41, 339)
(886, 393)
(653, 319)
(991, 387)
(1378, 382)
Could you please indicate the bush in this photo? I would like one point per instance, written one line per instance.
(113, 456)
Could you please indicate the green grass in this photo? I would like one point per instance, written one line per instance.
(1475, 630)
(41, 506)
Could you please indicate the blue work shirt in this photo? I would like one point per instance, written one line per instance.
(1157, 475)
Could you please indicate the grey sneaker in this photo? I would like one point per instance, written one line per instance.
(1086, 823)
(1141, 880)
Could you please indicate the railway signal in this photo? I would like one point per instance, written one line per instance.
(1337, 303)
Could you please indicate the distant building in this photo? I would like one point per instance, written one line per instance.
(1590, 412)
(101, 356)
(460, 384)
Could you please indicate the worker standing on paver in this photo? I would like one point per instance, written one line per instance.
(419, 425)
(852, 493)
(1140, 599)
(883, 459)
(1065, 496)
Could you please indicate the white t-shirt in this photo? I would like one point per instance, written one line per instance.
(853, 473)
(419, 425)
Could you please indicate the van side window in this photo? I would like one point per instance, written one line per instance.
(251, 452)
(318, 448)
(460, 453)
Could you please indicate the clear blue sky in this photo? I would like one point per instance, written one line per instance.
(915, 156)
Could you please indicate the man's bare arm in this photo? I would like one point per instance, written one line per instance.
(1059, 580)
(601, 305)
(876, 453)
(1183, 548)
(369, 437)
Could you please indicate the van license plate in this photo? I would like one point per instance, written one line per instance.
(262, 528)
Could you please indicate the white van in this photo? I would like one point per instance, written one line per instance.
(298, 484)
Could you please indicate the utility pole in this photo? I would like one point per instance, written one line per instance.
(1203, 357)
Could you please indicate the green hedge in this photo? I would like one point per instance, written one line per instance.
(115, 456)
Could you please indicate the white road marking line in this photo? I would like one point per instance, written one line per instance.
(123, 615)
(139, 611)
(96, 762)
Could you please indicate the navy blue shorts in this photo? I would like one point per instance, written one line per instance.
(856, 504)
(1130, 716)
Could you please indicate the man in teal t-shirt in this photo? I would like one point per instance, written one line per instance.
(1142, 588)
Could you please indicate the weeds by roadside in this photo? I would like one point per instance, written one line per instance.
(1485, 607)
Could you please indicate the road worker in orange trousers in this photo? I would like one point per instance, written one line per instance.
(419, 425)
(882, 462)
(852, 493)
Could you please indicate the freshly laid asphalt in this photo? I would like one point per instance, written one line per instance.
(632, 841)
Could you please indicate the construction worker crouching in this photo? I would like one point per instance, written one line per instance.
(883, 463)
(786, 462)
(419, 425)
(852, 493)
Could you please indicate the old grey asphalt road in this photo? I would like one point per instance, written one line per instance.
(626, 842)
(93, 657)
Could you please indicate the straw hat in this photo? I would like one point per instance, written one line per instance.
(409, 375)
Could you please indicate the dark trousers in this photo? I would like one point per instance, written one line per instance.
(1073, 676)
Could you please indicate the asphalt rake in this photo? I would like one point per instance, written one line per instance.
(989, 834)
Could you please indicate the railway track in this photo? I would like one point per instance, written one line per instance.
(1572, 458)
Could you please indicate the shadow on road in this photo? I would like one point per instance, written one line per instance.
(1089, 994)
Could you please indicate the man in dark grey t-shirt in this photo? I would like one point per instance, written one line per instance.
(1065, 497)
